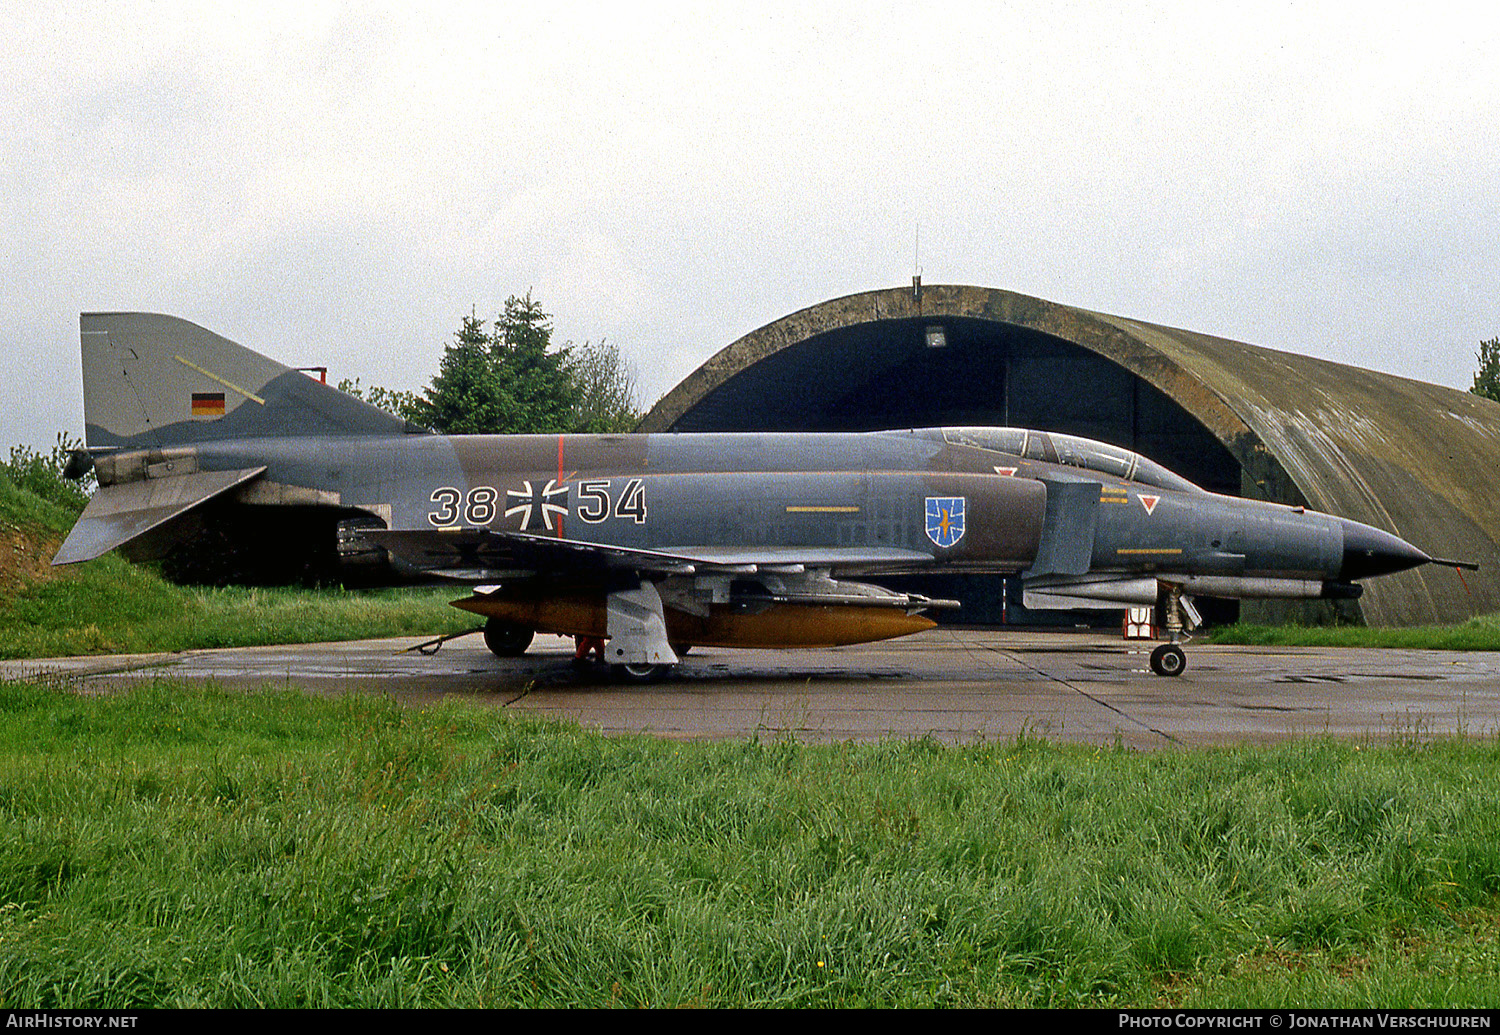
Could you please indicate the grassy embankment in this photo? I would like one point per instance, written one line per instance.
(110, 606)
(174, 846)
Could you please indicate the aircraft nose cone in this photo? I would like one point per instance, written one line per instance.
(1369, 552)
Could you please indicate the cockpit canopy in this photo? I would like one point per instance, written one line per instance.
(1053, 448)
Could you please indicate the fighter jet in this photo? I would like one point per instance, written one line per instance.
(657, 543)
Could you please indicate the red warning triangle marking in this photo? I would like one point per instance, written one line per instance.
(1009, 472)
(1149, 502)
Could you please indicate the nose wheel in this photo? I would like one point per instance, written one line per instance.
(1168, 660)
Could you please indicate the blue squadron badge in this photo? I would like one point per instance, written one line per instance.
(945, 520)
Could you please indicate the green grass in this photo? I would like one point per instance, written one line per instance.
(111, 606)
(191, 847)
(1480, 633)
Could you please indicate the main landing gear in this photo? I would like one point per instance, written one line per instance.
(507, 639)
(635, 645)
(640, 674)
(638, 650)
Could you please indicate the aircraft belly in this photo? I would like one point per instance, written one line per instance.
(777, 626)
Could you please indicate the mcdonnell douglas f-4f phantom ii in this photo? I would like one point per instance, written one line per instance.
(661, 542)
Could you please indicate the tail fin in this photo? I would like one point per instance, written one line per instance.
(155, 381)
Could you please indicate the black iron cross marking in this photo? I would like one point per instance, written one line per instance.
(531, 503)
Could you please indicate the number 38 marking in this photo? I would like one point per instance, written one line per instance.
(479, 511)
(594, 502)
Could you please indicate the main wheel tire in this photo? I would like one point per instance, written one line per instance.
(507, 639)
(1168, 660)
(640, 674)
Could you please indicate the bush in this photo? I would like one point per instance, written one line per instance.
(42, 474)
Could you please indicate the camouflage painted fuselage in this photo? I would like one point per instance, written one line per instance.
(880, 501)
(865, 495)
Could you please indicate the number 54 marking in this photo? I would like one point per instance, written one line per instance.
(594, 503)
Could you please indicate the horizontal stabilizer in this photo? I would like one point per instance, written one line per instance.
(119, 513)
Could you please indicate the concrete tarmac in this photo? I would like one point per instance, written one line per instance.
(957, 685)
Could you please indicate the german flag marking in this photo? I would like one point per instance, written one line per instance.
(208, 404)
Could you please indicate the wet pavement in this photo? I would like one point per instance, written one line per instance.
(952, 684)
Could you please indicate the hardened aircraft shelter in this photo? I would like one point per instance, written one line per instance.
(1416, 459)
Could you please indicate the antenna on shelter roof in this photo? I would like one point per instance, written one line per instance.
(916, 266)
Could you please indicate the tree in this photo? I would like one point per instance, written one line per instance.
(510, 380)
(1487, 378)
(536, 379)
(462, 397)
(606, 390)
(406, 405)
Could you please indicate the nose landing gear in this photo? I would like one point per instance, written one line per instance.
(1169, 659)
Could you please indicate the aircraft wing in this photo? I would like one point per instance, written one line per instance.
(479, 555)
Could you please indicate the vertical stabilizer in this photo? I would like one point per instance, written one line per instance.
(154, 381)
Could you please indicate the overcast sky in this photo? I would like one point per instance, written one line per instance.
(340, 183)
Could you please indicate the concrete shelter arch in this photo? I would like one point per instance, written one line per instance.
(1420, 460)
